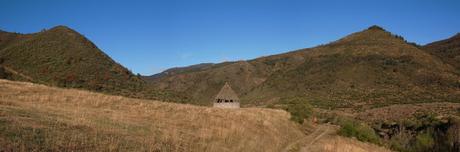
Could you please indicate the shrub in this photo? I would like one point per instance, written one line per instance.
(424, 142)
(299, 108)
(399, 142)
(360, 131)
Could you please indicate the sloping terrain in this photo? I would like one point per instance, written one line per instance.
(368, 68)
(35, 117)
(39, 118)
(448, 50)
(341, 144)
(62, 57)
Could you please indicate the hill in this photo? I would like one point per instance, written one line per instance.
(448, 50)
(62, 57)
(178, 70)
(372, 67)
(35, 117)
(39, 118)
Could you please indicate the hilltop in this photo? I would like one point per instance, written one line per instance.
(63, 57)
(372, 67)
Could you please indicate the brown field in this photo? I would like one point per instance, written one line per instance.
(39, 118)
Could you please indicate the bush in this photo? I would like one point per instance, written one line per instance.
(360, 131)
(400, 142)
(299, 108)
(424, 142)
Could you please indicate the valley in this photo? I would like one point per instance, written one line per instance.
(369, 91)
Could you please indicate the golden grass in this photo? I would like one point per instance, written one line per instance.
(38, 118)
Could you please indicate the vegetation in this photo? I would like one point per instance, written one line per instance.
(358, 130)
(448, 50)
(371, 68)
(64, 58)
(42, 118)
(424, 132)
(351, 127)
(424, 142)
(299, 108)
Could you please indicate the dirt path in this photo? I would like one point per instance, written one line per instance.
(303, 143)
(325, 130)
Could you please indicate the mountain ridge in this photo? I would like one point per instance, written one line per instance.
(448, 50)
(60, 56)
(372, 59)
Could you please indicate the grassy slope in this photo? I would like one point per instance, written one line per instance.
(36, 117)
(371, 67)
(62, 57)
(448, 50)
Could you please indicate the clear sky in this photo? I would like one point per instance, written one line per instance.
(150, 36)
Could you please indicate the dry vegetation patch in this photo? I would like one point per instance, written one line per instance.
(35, 117)
(405, 111)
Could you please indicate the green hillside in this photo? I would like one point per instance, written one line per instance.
(368, 68)
(62, 57)
(448, 50)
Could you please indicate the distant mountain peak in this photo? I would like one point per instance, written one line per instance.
(61, 27)
(370, 35)
(457, 35)
(376, 27)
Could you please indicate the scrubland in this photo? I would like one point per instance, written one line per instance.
(40, 118)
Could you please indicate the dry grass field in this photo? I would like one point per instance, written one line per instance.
(40, 118)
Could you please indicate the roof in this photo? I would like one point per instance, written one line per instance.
(227, 93)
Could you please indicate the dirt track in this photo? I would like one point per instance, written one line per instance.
(303, 143)
(325, 139)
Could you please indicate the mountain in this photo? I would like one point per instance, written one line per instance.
(448, 50)
(177, 70)
(372, 67)
(63, 57)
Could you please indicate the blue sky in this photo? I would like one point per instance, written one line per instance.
(150, 36)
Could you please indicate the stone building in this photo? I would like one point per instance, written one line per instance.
(226, 98)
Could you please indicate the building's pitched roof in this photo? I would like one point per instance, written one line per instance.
(227, 93)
